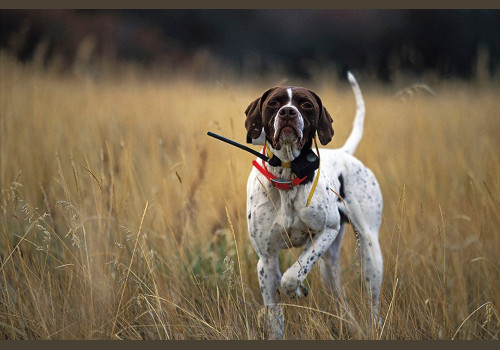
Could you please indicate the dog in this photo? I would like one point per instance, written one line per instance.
(343, 191)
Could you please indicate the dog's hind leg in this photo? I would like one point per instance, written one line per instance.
(370, 256)
(372, 267)
(329, 265)
(364, 207)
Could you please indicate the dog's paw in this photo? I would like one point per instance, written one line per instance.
(292, 288)
(271, 318)
(304, 290)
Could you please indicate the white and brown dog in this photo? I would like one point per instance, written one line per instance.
(279, 218)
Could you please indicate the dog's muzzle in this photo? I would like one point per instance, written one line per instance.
(288, 126)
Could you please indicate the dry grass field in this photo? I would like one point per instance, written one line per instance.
(121, 219)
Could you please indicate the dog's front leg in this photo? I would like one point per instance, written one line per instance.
(269, 281)
(294, 277)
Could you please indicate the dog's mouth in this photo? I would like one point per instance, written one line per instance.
(288, 133)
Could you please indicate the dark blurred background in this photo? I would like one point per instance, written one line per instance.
(446, 42)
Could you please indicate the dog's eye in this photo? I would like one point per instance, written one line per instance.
(273, 104)
(307, 105)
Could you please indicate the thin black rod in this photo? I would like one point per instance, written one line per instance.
(245, 148)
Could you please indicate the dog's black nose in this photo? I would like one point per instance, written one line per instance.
(288, 112)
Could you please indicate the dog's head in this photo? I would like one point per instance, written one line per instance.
(289, 115)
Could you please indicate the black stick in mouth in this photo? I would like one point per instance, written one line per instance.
(239, 145)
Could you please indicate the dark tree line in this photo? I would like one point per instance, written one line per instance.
(444, 41)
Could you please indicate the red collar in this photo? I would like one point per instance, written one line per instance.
(280, 184)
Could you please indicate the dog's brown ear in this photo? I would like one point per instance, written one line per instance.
(253, 122)
(325, 129)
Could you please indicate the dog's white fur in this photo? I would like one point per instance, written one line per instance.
(279, 219)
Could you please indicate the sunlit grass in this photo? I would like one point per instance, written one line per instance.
(121, 219)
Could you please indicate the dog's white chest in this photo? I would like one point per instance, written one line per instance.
(295, 236)
(289, 227)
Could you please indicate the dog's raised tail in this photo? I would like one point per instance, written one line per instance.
(357, 126)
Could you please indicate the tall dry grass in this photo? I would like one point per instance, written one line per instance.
(121, 219)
